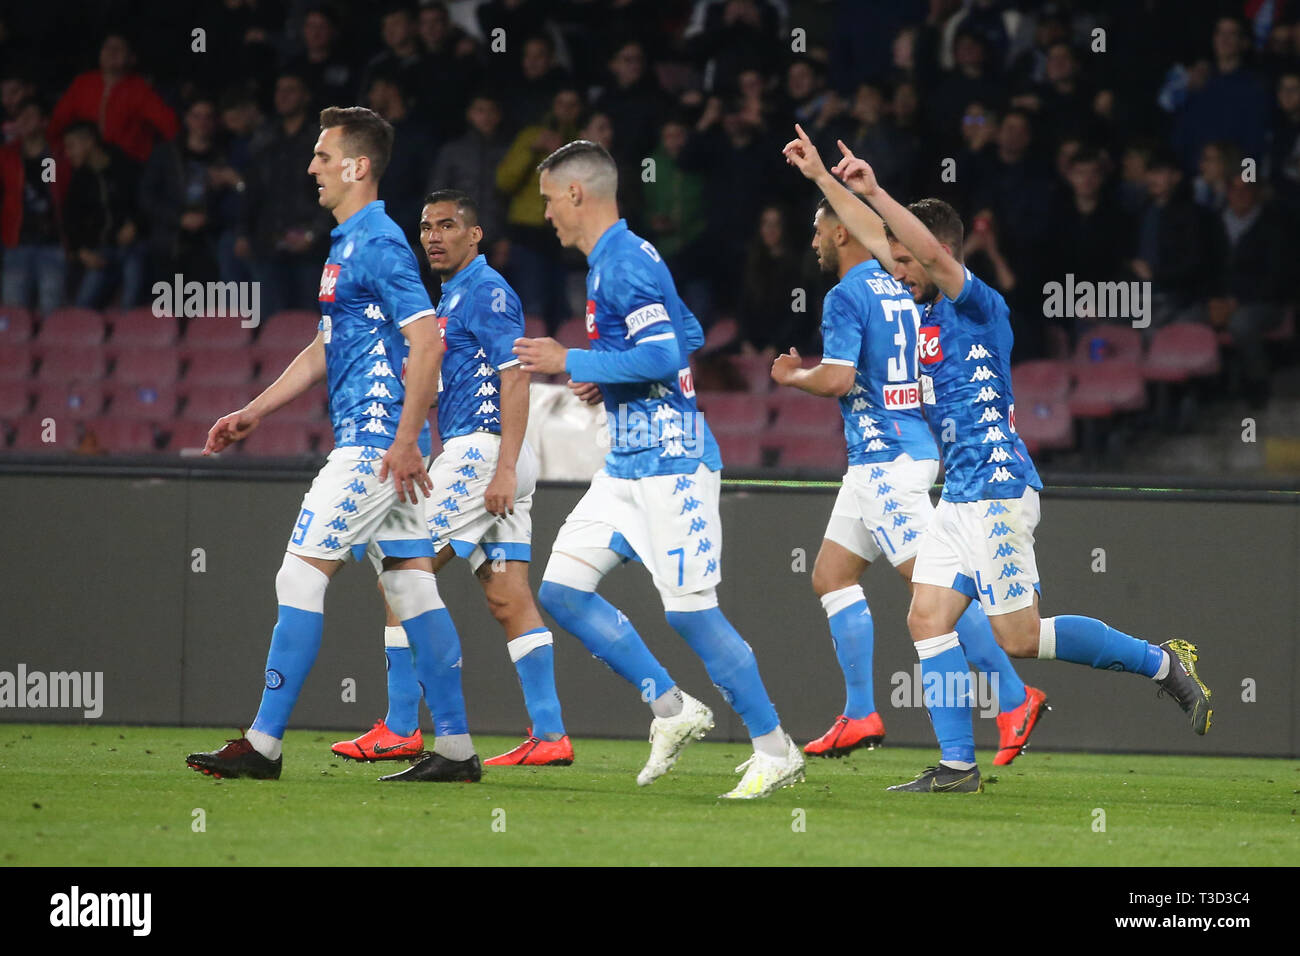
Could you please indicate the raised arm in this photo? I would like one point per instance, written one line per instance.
(863, 224)
(948, 274)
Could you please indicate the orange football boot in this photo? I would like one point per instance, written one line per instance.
(380, 743)
(847, 735)
(1015, 726)
(536, 753)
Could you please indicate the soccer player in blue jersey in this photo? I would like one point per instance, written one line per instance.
(379, 350)
(981, 544)
(656, 499)
(483, 484)
(869, 363)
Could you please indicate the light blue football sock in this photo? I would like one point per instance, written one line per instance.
(403, 689)
(435, 646)
(295, 642)
(1086, 640)
(983, 651)
(731, 665)
(606, 632)
(534, 658)
(945, 676)
(853, 635)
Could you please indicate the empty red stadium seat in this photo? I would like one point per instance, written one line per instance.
(1181, 350)
(1103, 388)
(1044, 425)
(535, 328)
(277, 439)
(271, 364)
(228, 367)
(147, 366)
(733, 411)
(308, 408)
(16, 325)
(1118, 342)
(1040, 381)
(292, 329)
(572, 334)
(30, 434)
(72, 327)
(755, 370)
(740, 449)
(15, 363)
(68, 364)
(140, 328)
(145, 403)
(122, 436)
(209, 402)
(799, 411)
(722, 334)
(187, 436)
(207, 333)
(75, 402)
(15, 398)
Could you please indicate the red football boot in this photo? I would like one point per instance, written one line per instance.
(536, 753)
(847, 735)
(1015, 726)
(380, 743)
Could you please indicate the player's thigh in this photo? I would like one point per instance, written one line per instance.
(594, 538)
(836, 567)
(683, 528)
(934, 610)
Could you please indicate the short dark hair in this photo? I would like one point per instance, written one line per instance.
(591, 155)
(1087, 154)
(465, 204)
(941, 219)
(84, 128)
(365, 133)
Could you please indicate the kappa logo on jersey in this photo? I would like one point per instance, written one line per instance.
(999, 455)
(487, 388)
(686, 382)
(859, 404)
(927, 344)
(977, 351)
(991, 414)
(592, 331)
(993, 434)
(329, 282)
(987, 394)
(982, 374)
(379, 390)
(902, 396)
(1001, 474)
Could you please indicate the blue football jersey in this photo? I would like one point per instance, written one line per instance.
(869, 322)
(369, 289)
(964, 347)
(480, 317)
(655, 427)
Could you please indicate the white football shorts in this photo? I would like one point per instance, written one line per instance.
(884, 508)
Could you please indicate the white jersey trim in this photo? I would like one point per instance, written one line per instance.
(657, 338)
(834, 361)
(511, 364)
(411, 318)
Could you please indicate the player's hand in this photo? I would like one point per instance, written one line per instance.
(229, 429)
(856, 173)
(499, 499)
(404, 460)
(588, 392)
(784, 366)
(802, 154)
(545, 356)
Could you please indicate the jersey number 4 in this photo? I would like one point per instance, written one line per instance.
(895, 311)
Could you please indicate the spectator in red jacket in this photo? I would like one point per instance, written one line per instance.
(31, 204)
(129, 114)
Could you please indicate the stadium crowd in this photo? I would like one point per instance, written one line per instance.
(1146, 141)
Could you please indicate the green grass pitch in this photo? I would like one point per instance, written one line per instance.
(104, 795)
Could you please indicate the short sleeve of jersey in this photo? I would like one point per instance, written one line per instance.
(397, 281)
(842, 327)
(640, 301)
(498, 319)
(978, 301)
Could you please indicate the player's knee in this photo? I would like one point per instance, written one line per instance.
(824, 581)
(300, 585)
(411, 593)
(689, 603)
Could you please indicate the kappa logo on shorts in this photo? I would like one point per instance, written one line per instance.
(927, 345)
(711, 567)
(329, 281)
(1015, 590)
(690, 504)
(1011, 570)
(1005, 550)
(996, 508)
(1000, 530)
(704, 546)
(910, 535)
